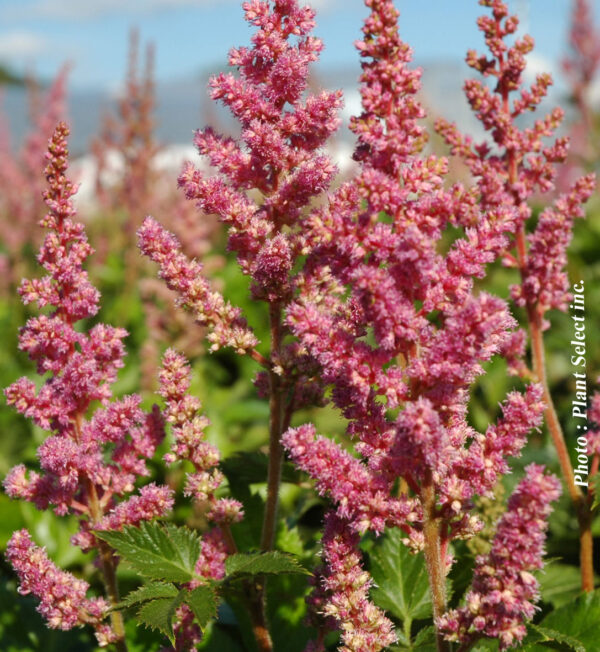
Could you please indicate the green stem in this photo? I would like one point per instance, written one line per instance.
(267, 540)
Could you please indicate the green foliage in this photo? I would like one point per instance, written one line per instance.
(559, 583)
(148, 592)
(547, 635)
(401, 585)
(574, 624)
(160, 552)
(203, 602)
(169, 553)
(261, 563)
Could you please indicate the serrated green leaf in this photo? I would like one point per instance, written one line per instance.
(158, 614)
(578, 619)
(262, 563)
(401, 585)
(559, 583)
(203, 602)
(148, 592)
(552, 635)
(157, 552)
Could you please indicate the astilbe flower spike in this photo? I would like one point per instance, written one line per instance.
(182, 412)
(63, 601)
(517, 165)
(89, 464)
(265, 183)
(400, 334)
(504, 591)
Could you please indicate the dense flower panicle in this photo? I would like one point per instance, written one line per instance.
(190, 443)
(62, 596)
(397, 328)
(485, 461)
(184, 276)
(504, 591)
(153, 501)
(89, 463)
(521, 162)
(344, 592)
(545, 280)
(278, 151)
(363, 499)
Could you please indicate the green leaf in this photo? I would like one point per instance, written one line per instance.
(158, 614)
(559, 583)
(578, 620)
(157, 552)
(148, 592)
(548, 634)
(262, 563)
(203, 602)
(401, 585)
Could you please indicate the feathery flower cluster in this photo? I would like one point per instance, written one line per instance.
(277, 154)
(503, 590)
(398, 329)
(226, 325)
(520, 163)
(181, 410)
(21, 184)
(63, 601)
(87, 464)
(363, 625)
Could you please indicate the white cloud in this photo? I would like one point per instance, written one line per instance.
(19, 45)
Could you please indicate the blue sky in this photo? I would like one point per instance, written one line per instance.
(194, 35)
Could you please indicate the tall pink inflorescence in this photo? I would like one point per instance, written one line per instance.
(63, 601)
(516, 164)
(90, 463)
(277, 154)
(504, 591)
(520, 163)
(190, 441)
(401, 334)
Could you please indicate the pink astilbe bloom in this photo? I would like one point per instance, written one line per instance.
(520, 163)
(265, 179)
(504, 591)
(183, 276)
(397, 278)
(545, 282)
(89, 463)
(345, 585)
(63, 601)
(181, 410)
(399, 330)
(363, 499)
